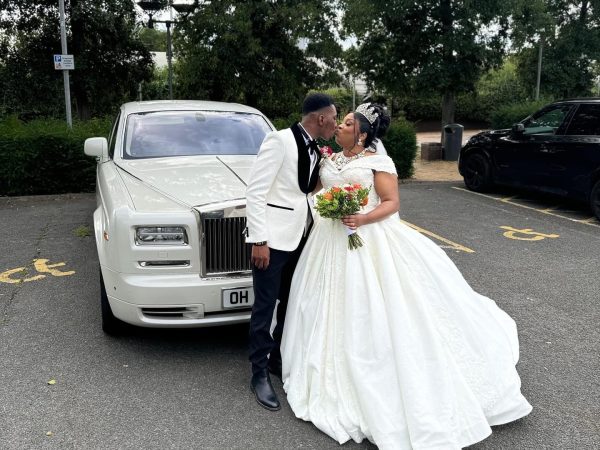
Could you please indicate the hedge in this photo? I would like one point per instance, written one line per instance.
(46, 157)
(401, 144)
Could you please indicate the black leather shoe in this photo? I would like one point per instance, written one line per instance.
(263, 391)
(275, 366)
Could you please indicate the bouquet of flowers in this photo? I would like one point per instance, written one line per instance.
(340, 201)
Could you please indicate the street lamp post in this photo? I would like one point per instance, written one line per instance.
(63, 42)
(152, 7)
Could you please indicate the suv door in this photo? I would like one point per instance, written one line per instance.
(576, 160)
(522, 158)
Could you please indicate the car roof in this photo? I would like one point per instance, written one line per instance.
(581, 100)
(185, 105)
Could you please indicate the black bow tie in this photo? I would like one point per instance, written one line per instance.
(313, 147)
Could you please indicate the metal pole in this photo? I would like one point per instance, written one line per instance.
(353, 94)
(63, 42)
(539, 71)
(168, 22)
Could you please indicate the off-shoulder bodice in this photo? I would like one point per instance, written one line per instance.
(360, 171)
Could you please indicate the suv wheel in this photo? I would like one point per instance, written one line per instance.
(477, 173)
(110, 324)
(595, 200)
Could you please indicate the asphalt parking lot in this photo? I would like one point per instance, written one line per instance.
(189, 389)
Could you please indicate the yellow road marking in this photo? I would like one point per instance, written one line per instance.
(451, 244)
(5, 277)
(512, 234)
(590, 220)
(41, 265)
(543, 211)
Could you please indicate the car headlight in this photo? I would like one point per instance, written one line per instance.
(167, 235)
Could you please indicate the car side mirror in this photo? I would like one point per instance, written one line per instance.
(96, 146)
(518, 128)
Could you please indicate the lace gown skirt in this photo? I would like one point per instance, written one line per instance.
(389, 342)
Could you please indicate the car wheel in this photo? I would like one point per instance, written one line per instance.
(595, 200)
(477, 173)
(110, 324)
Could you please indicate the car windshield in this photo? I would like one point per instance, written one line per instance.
(184, 133)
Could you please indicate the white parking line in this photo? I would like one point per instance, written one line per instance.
(547, 211)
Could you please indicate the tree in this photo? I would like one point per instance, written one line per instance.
(442, 46)
(154, 40)
(110, 60)
(569, 33)
(266, 54)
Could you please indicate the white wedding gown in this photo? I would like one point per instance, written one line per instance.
(389, 342)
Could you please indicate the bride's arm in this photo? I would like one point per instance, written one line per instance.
(386, 186)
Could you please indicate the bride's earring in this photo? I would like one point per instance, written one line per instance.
(360, 142)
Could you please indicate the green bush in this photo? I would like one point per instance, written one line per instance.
(401, 144)
(506, 116)
(45, 157)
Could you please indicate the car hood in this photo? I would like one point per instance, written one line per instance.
(193, 180)
(490, 135)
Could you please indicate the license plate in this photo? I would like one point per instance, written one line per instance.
(238, 297)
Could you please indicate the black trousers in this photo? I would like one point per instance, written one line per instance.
(269, 285)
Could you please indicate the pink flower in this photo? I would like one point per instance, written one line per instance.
(326, 150)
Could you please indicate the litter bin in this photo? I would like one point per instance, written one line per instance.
(453, 134)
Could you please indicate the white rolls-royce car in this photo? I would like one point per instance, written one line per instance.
(171, 212)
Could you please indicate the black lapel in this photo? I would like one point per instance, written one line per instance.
(314, 177)
(303, 159)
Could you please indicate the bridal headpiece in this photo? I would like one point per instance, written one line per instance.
(368, 111)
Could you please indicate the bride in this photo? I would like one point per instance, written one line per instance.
(388, 341)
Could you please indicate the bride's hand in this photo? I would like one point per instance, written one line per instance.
(354, 221)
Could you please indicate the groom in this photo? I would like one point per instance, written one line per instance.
(279, 219)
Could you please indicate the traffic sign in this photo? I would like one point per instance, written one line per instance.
(64, 62)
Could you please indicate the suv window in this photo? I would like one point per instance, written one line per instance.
(546, 121)
(586, 121)
(112, 138)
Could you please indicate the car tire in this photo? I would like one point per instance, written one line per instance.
(110, 324)
(595, 199)
(477, 173)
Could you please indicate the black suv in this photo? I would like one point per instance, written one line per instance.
(555, 150)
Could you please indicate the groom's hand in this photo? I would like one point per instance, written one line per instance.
(260, 256)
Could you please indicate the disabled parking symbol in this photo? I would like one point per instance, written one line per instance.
(526, 234)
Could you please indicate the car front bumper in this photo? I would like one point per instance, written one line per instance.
(173, 301)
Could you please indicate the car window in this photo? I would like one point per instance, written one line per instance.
(180, 133)
(586, 121)
(546, 121)
(112, 138)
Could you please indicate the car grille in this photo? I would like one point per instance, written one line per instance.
(225, 250)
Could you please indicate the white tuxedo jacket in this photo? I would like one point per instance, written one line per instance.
(278, 188)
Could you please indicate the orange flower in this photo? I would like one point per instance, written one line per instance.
(335, 189)
(328, 196)
(356, 186)
(365, 201)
